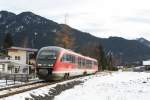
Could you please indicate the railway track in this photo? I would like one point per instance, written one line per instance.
(20, 85)
(5, 92)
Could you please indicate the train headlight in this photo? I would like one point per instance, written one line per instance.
(50, 64)
(39, 64)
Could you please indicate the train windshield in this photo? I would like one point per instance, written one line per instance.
(47, 54)
(47, 57)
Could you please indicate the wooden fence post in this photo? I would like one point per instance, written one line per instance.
(14, 78)
(6, 79)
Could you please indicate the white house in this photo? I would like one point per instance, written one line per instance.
(18, 60)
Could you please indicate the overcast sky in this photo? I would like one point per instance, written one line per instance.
(103, 18)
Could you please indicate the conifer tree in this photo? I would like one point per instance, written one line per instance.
(8, 41)
(96, 51)
(102, 58)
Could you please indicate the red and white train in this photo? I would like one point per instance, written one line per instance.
(54, 63)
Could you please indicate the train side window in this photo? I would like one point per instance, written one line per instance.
(83, 62)
(89, 64)
(95, 63)
(73, 59)
(79, 62)
(68, 58)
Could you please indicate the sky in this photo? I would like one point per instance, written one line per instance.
(102, 18)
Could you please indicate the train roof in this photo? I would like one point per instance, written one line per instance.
(52, 48)
(68, 50)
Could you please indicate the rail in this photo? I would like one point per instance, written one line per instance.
(27, 87)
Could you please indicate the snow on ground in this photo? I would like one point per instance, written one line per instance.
(116, 86)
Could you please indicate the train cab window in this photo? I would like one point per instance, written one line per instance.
(47, 54)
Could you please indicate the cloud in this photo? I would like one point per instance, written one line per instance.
(102, 18)
(138, 20)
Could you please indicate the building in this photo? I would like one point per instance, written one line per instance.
(146, 63)
(18, 61)
(3, 63)
(23, 55)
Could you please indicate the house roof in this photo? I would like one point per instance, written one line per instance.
(146, 62)
(23, 49)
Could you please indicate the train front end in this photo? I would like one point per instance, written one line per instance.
(46, 60)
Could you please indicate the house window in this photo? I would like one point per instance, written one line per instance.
(25, 70)
(17, 57)
(2, 67)
(9, 68)
(17, 69)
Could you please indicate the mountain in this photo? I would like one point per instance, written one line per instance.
(144, 41)
(127, 50)
(31, 30)
(27, 27)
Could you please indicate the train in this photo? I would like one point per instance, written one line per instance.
(56, 63)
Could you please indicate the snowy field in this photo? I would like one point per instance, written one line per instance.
(115, 86)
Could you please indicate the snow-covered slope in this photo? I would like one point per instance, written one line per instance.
(117, 86)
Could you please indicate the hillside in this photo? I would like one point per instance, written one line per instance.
(31, 30)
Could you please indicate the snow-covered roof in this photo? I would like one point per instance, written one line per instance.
(146, 62)
(23, 49)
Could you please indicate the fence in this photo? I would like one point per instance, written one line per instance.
(13, 78)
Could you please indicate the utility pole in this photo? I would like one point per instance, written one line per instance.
(33, 40)
(66, 18)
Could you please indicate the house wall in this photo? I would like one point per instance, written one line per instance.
(4, 68)
(18, 53)
(3, 64)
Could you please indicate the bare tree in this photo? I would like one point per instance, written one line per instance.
(64, 38)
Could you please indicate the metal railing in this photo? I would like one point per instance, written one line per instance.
(9, 79)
